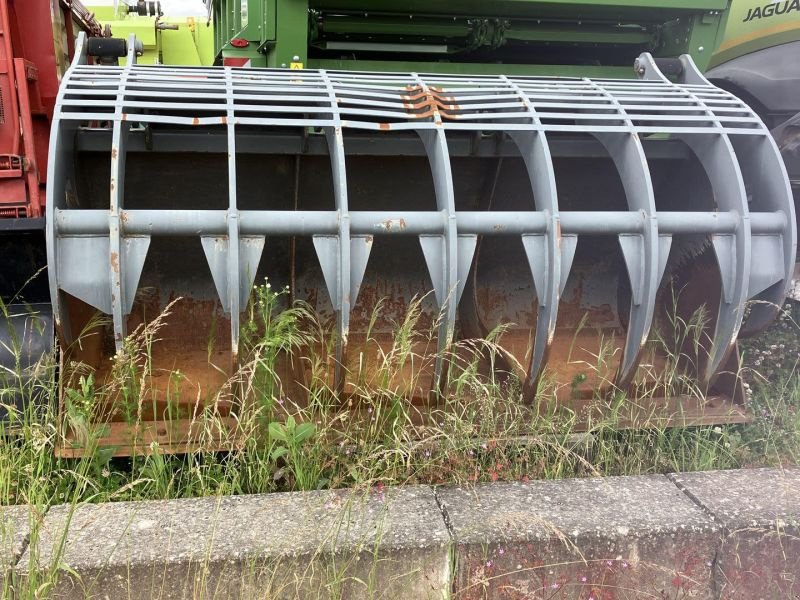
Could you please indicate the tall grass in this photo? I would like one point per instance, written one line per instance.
(276, 439)
(479, 430)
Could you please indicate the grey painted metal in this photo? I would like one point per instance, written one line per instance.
(641, 250)
(733, 250)
(767, 180)
(441, 252)
(62, 151)
(548, 263)
(202, 223)
(334, 252)
(533, 112)
(122, 271)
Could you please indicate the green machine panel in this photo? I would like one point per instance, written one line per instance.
(515, 37)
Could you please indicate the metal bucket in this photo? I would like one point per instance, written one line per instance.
(567, 210)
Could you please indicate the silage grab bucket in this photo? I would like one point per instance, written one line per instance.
(578, 213)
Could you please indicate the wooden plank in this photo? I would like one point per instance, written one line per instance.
(223, 434)
(176, 437)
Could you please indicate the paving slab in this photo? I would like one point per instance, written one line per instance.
(616, 537)
(391, 544)
(14, 531)
(760, 512)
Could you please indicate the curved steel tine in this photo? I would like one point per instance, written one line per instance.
(56, 199)
(117, 263)
(543, 251)
(61, 144)
(733, 251)
(441, 252)
(334, 255)
(767, 183)
(234, 258)
(640, 252)
(548, 260)
(334, 252)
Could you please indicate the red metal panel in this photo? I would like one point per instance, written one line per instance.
(32, 39)
(35, 132)
(9, 120)
(31, 61)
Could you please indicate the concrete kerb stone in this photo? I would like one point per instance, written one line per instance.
(617, 537)
(14, 534)
(346, 544)
(731, 534)
(759, 509)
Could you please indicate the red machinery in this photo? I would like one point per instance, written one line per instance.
(37, 39)
(36, 43)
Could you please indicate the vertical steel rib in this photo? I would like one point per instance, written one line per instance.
(56, 191)
(718, 158)
(543, 251)
(441, 254)
(234, 260)
(640, 252)
(341, 293)
(765, 176)
(117, 263)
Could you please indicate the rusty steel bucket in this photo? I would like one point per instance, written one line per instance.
(580, 215)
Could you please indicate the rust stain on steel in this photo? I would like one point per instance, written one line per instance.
(114, 153)
(391, 225)
(124, 116)
(385, 126)
(223, 120)
(115, 262)
(426, 103)
(195, 121)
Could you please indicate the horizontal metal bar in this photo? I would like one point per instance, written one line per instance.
(305, 223)
(295, 142)
(601, 222)
(21, 225)
(769, 222)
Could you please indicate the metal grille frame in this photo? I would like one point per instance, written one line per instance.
(98, 255)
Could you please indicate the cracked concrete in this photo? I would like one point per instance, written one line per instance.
(729, 535)
(15, 529)
(583, 537)
(233, 547)
(759, 509)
